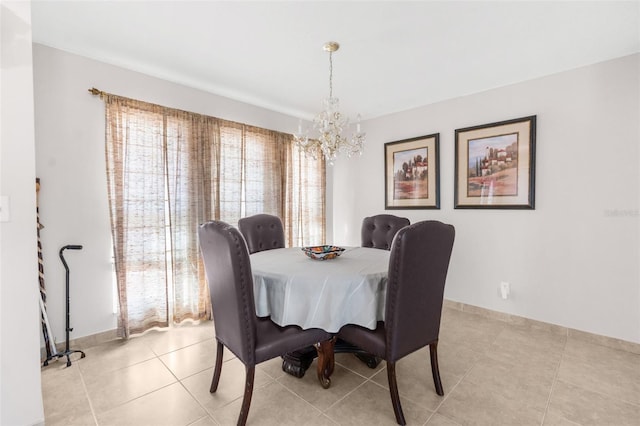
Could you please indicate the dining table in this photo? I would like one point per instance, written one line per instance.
(294, 289)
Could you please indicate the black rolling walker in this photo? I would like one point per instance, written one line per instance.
(67, 352)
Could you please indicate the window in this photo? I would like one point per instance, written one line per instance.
(170, 170)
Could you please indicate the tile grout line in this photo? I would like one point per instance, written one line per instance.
(157, 354)
(86, 394)
(139, 396)
(207, 414)
(555, 380)
(603, 394)
(466, 373)
(357, 373)
(291, 391)
(596, 390)
(344, 397)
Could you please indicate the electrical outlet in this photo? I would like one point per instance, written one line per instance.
(505, 289)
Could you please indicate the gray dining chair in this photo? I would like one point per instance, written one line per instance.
(262, 232)
(378, 231)
(251, 339)
(418, 265)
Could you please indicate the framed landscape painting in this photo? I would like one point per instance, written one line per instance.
(495, 165)
(412, 173)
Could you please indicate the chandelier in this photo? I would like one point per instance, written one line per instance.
(330, 124)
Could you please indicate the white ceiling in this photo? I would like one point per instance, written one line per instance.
(394, 56)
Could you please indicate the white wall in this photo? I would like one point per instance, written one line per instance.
(20, 395)
(70, 162)
(571, 262)
(574, 260)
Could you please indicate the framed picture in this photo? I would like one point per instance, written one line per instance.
(412, 173)
(495, 165)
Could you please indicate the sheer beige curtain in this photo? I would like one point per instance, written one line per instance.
(192, 166)
(136, 173)
(304, 200)
(159, 163)
(251, 171)
(170, 170)
(264, 172)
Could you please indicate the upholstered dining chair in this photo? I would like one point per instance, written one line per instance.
(262, 232)
(378, 231)
(251, 339)
(418, 265)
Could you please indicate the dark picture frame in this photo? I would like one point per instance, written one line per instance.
(412, 173)
(495, 165)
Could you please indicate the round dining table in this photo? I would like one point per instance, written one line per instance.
(294, 289)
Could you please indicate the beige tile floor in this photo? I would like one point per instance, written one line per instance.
(493, 373)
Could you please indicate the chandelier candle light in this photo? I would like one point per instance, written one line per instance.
(330, 124)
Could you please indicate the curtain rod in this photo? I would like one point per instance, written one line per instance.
(96, 92)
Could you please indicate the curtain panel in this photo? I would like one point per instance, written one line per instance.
(169, 171)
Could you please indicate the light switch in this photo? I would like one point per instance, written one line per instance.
(4, 209)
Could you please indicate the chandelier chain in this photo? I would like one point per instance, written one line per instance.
(331, 74)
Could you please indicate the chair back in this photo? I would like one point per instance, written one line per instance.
(378, 231)
(262, 232)
(228, 271)
(418, 265)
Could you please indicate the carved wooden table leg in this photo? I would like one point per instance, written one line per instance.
(296, 363)
(326, 361)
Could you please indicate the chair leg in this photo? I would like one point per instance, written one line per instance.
(248, 391)
(435, 371)
(395, 396)
(217, 369)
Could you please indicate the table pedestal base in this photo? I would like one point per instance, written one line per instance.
(296, 363)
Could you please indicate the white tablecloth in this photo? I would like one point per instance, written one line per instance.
(294, 289)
